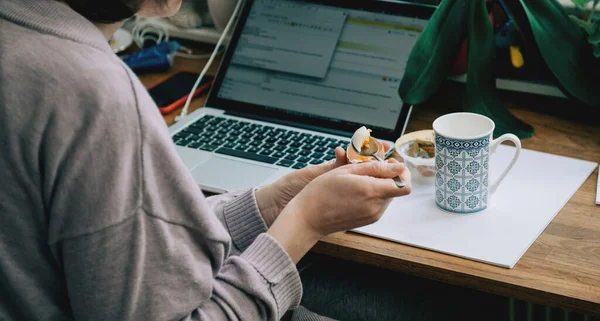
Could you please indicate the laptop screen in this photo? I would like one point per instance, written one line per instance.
(322, 61)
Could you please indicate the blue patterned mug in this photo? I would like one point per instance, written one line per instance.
(463, 145)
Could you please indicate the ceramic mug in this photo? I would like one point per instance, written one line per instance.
(463, 145)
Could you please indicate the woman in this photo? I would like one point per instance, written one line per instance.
(101, 220)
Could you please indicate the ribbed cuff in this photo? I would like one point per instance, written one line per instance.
(301, 313)
(273, 263)
(243, 220)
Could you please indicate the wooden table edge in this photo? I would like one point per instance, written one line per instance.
(333, 247)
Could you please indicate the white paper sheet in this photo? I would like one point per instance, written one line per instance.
(527, 200)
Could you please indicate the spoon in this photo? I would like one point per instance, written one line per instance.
(372, 151)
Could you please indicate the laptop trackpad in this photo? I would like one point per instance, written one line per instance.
(230, 175)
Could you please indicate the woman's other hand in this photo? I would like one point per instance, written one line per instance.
(345, 198)
(272, 199)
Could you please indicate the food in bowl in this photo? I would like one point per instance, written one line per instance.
(417, 151)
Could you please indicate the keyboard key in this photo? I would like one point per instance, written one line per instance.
(296, 144)
(231, 138)
(343, 143)
(306, 136)
(316, 161)
(280, 131)
(184, 142)
(260, 137)
(304, 152)
(293, 150)
(291, 156)
(284, 142)
(253, 150)
(208, 147)
(285, 162)
(229, 145)
(279, 148)
(268, 146)
(198, 125)
(246, 155)
(194, 145)
(180, 136)
(205, 119)
(217, 121)
(320, 149)
(241, 147)
(299, 165)
(317, 155)
(304, 159)
(278, 154)
(266, 152)
(310, 146)
(255, 143)
(193, 130)
(328, 156)
(217, 142)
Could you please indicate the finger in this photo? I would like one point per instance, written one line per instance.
(340, 157)
(386, 146)
(378, 169)
(386, 188)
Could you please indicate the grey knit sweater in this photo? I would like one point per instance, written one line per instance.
(99, 218)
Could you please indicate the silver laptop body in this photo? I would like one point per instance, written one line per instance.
(297, 78)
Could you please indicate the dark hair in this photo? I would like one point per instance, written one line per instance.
(105, 11)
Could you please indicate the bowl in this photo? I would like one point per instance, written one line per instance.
(425, 167)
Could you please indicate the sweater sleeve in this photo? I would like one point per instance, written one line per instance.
(239, 213)
(131, 231)
(147, 269)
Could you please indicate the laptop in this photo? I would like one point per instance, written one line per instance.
(296, 80)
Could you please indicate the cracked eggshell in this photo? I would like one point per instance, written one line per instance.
(360, 137)
(353, 157)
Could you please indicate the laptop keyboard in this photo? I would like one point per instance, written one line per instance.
(263, 143)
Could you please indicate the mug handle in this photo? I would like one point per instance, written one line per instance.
(495, 143)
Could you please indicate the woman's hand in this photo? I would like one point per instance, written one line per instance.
(273, 198)
(345, 198)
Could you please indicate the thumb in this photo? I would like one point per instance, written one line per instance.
(378, 169)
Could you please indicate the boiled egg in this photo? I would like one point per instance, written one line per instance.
(361, 138)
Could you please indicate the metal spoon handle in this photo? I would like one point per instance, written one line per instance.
(399, 182)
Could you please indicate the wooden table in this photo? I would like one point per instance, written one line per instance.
(562, 267)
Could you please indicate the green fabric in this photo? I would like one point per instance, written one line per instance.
(481, 96)
(432, 56)
(434, 53)
(565, 48)
(594, 38)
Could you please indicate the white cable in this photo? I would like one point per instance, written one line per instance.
(152, 29)
(189, 55)
(210, 61)
(147, 29)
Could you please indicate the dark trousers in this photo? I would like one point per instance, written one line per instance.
(348, 291)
